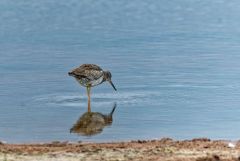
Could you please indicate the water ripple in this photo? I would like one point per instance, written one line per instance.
(70, 99)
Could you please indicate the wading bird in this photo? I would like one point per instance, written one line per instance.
(90, 75)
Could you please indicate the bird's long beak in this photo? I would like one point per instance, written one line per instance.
(112, 85)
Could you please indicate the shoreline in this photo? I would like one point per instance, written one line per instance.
(165, 149)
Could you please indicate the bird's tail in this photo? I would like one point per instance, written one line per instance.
(70, 73)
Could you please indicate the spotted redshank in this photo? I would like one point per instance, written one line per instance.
(89, 75)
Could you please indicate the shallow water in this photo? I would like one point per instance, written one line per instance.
(175, 65)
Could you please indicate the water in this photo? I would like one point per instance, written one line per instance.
(175, 65)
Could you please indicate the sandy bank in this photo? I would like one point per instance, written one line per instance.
(154, 150)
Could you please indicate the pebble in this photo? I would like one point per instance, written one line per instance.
(231, 145)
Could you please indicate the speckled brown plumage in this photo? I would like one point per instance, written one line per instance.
(89, 75)
(89, 71)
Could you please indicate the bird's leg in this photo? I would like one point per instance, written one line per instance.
(89, 98)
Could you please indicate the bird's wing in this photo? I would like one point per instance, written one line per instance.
(90, 67)
(89, 71)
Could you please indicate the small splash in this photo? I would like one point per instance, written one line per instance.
(137, 97)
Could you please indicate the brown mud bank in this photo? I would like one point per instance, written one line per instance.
(152, 150)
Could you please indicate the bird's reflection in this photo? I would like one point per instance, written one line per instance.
(92, 123)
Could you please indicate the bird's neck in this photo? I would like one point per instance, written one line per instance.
(104, 76)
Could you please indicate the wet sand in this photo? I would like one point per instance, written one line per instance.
(154, 150)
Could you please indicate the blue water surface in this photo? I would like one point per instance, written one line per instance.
(176, 65)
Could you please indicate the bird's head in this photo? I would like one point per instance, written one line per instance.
(108, 77)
